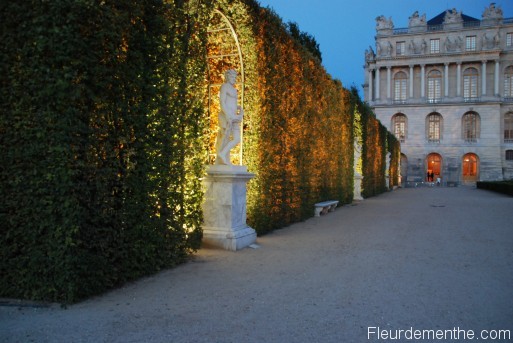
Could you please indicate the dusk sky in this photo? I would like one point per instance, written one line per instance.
(345, 29)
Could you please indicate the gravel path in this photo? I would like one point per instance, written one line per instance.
(427, 259)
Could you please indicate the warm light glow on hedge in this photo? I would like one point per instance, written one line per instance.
(109, 171)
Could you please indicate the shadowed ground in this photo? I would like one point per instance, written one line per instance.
(427, 258)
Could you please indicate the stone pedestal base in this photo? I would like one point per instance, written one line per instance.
(357, 192)
(224, 209)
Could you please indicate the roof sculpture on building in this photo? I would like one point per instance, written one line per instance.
(416, 20)
(452, 16)
(492, 12)
(383, 23)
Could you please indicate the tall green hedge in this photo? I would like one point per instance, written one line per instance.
(103, 132)
(376, 143)
(304, 131)
(99, 134)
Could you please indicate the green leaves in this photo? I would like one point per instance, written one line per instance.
(93, 146)
(104, 131)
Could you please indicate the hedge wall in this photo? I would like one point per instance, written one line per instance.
(99, 174)
(104, 135)
(376, 142)
(304, 127)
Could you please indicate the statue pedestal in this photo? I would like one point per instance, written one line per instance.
(357, 192)
(224, 209)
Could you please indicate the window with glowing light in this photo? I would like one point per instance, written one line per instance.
(470, 167)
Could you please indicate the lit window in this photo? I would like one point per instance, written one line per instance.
(509, 155)
(434, 86)
(400, 87)
(469, 167)
(508, 82)
(434, 46)
(508, 128)
(470, 126)
(470, 43)
(509, 39)
(434, 125)
(470, 77)
(400, 48)
(399, 126)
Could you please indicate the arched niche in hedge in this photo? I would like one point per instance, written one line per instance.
(223, 53)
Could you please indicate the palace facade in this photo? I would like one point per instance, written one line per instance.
(444, 87)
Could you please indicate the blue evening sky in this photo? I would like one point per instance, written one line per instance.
(344, 29)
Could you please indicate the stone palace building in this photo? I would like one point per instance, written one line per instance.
(444, 87)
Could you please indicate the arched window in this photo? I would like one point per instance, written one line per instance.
(470, 124)
(508, 127)
(434, 86)
(470, 167)
(434, 166)
(434, 123)
(400, 87)
(508, 82)
(470, 78)
(400, 126)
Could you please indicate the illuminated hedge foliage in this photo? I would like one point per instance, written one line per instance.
(105, 134)
(377, 142)
(100, 134)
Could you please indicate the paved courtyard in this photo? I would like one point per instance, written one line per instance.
(414, 259)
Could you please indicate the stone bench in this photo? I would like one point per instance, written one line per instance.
(325, 207)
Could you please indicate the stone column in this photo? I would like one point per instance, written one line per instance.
(496, 79)
(377, 84)
(458, 79)
(422, 81)
(388, 81)
(446, 80)
(483, 82)
(411, 81)
(370, 85)
(224, 209)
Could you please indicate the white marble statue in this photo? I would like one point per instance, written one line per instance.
(383, 23)
(384, 49)
(493, 12)
(453, 44)
(416, 20)
(491, 40)
(230, 117)
(417, 46)
(452, 16)
(369, 54)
